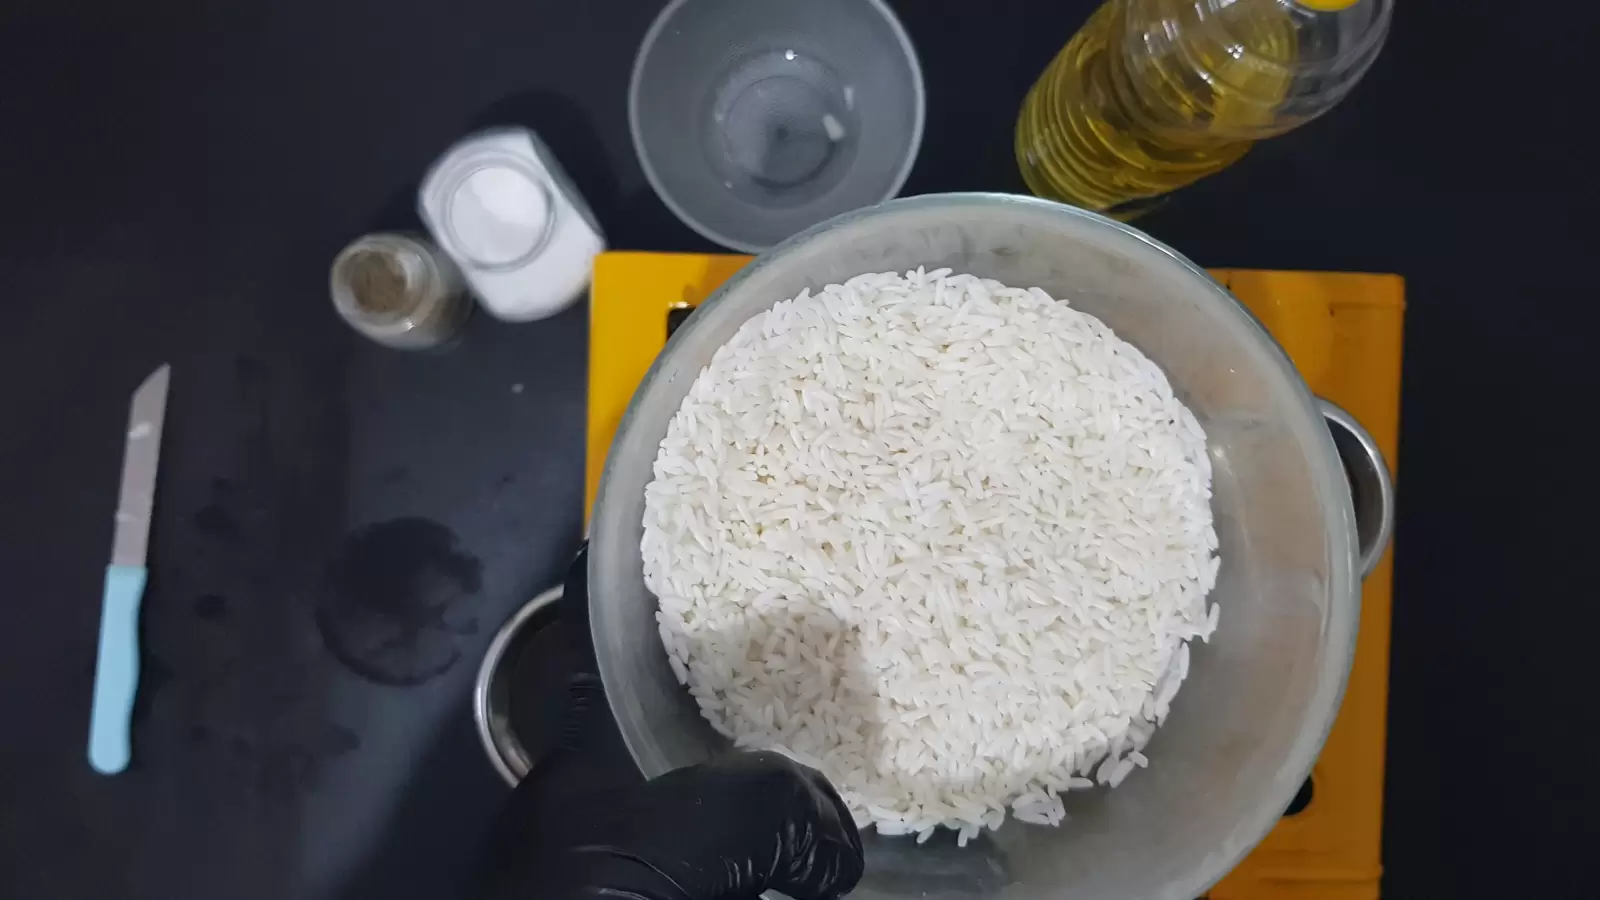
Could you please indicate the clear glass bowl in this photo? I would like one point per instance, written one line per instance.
(756, 119)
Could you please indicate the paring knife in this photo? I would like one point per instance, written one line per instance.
(116, 672)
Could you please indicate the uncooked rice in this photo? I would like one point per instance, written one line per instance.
(942, 539)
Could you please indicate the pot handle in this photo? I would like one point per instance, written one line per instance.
(1371, 488)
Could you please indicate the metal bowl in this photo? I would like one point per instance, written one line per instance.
(1261, 695)
(492, 694)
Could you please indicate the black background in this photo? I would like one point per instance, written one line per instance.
(175, 177)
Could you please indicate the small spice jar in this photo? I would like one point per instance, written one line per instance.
(400, 291)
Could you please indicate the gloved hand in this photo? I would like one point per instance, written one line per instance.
(723, 830)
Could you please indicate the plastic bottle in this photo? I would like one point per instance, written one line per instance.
(1152, 95)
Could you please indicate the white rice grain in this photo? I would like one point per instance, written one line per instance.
(942, 539)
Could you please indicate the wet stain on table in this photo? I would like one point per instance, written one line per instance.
(215, 521)
(387, 605)
(211, 607)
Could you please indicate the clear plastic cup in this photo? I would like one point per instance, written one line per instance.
(756, 119)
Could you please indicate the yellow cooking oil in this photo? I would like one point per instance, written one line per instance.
(1152, 95)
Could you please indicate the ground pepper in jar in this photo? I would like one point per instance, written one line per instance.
(400, 291)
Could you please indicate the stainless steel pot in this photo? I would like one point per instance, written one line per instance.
(1260, 697)
(491, 692)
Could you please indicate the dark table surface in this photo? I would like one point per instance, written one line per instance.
(340, 528)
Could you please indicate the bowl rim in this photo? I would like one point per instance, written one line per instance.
(500, 743)
(636, 80)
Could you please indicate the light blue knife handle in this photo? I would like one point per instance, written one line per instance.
(116, 673)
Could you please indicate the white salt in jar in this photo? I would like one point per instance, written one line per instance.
(501, 207)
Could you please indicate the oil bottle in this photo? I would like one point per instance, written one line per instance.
(1152, 95)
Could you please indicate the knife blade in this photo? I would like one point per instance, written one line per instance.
(116, 674)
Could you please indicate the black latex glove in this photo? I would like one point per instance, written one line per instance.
(724, 830)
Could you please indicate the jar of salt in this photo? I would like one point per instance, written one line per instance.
(500, 204)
